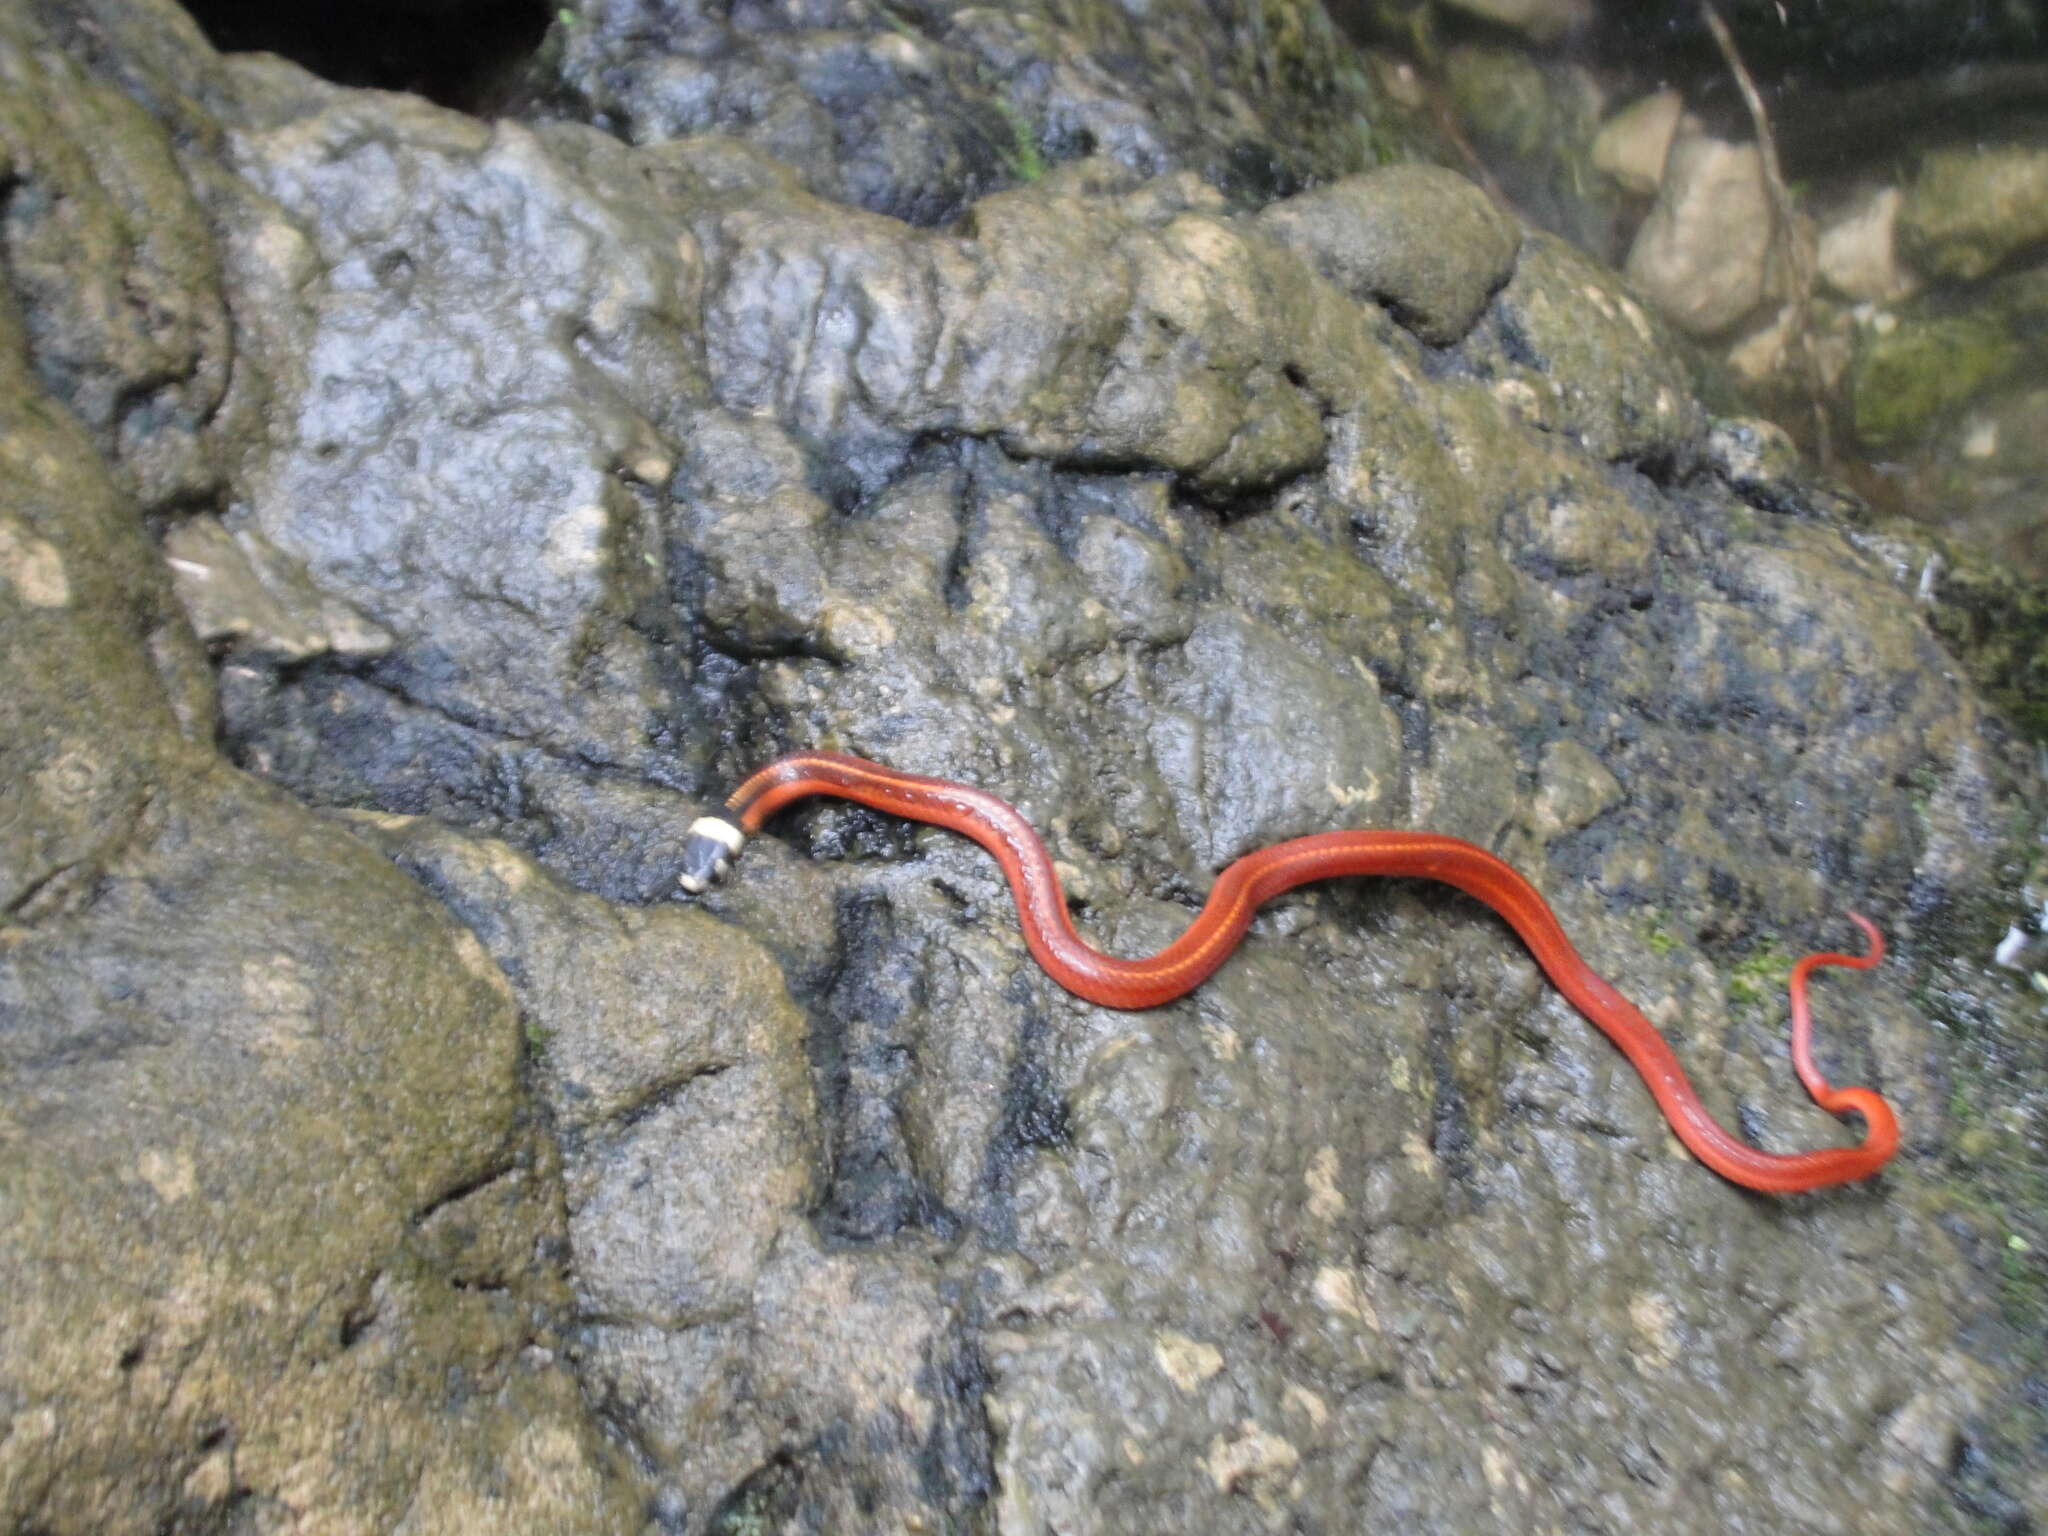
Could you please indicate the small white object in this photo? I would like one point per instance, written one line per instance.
(720, 830)
(1930, 573)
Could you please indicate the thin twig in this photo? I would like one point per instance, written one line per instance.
(1798, 259)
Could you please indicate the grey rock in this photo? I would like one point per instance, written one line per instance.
(673, 1065)
(1423, 240)
(1759, 462)
(1533, 118)
(1572, 350)
(1703, 254)
(900, 115)
(1058, 321)
(1856, 253)
(1541, 21)
(1255, 745)
(1967, 210)
(1631, 146)
(398, 393)
(265, 1171)
(433, 1164)
(239, 589)
(1573, 789)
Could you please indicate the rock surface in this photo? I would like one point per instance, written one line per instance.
(916, 114)
(411, 522)
(1541, 21)
(1969, 209)
(1631, 145)
(1421, 239)
(1857, 254)
(1915, 368)
(1703, 255)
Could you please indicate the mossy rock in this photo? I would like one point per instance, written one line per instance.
(1998, 625)
(1970, 209)
(1910, 373)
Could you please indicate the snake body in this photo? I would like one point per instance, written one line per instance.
(715, 841)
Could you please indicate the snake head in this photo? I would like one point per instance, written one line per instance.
(713, 844)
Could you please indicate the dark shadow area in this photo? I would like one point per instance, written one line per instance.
(460, 53)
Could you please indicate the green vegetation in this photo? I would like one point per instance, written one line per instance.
(1910, 374)
(1023, 158)
(1998, 625)
(1760, 974)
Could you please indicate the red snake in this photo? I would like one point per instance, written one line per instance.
(1258, 877)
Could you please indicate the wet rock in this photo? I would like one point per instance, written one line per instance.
(1994, 463)
(1631, 145)
(1913, 367)
(517, 613)
(1078, 328)
(1253, 750)
(1534, 120)
(187, 1079)
(1541, 21)
(1856, 254)
(673, 1065)
(266, 1172)
(1702, 256)
(114, 265)
(1761, 464)
(1424, 241)
(433, 1158)
(240, 590)
(1967, 210)
(1573, 788)
(106, 690)
(902, 120)
(1574, 352)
